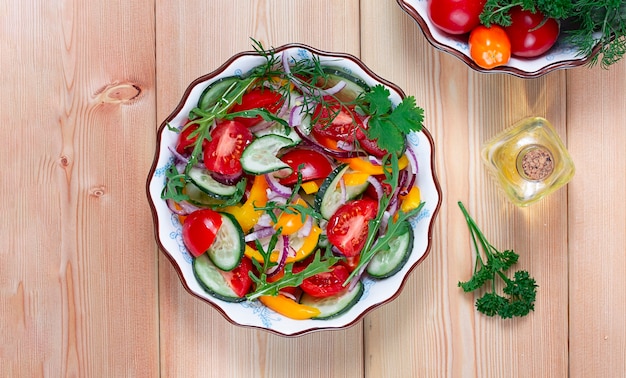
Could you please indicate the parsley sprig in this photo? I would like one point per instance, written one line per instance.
(520, 291)
(387, 125)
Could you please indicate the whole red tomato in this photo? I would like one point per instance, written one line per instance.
(531, 34)
(455, 16)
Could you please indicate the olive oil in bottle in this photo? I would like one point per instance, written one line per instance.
(528, 160)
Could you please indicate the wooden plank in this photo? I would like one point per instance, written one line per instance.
(194, 38)
(432, 329)
(78, 274)
(597, 232)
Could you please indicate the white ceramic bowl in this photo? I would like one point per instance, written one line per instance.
(560, 56)
(253, 314)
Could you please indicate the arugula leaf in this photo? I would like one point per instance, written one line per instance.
(174, 184)
(289, 278)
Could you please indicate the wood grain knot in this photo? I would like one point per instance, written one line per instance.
(97, 191)
(118, 93)
(65, 161)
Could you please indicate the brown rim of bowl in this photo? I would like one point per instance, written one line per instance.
(572, 63)
(216, 72)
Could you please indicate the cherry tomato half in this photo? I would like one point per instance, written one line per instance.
(370, 146)
(239, 278)
(489, 47)
(315, 165)
(199, 230)
(263, 98)
(348, 227)
(223, 151)
(335, 121)
(185, 142)
(455, 16)
(324, 284)
(531, 34)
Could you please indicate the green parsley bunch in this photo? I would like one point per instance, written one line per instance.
(520, 291)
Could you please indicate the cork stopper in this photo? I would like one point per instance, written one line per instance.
(535, 163)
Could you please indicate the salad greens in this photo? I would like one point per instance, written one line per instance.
(584, 23)
(304, 93)
(520, 291)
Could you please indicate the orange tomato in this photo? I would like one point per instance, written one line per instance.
(489, 47)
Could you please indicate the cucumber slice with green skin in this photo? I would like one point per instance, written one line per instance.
(201, 177)
(354, 85)
(334, 306)
(212, 281)
(259, 157)
(278, 129)
(390, 261)
(214, 92)
(227, 249)
(329, 197)
(199, 198)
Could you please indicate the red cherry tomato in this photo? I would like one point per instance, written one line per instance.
(324, 284)
(239, 278)
(257, 98)
(370, 146)
(223, 151)
(199, 230)
(455, 16)
(348, 227)
(531, 34)
(185, 143)
(315, 165)
(489, 47)
(335, 121)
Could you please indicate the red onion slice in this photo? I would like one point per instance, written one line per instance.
(259, 234)
(378, 187)
(282, 258)
(276, 187)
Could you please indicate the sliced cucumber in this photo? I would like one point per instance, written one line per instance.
(329, 197)
(199, 198)
(259, 157)
(214, 92)
(334, 306)
(212, 281)
(389, 261)
(227, 249)
(278, 129)
(201, 177)
(354, 85)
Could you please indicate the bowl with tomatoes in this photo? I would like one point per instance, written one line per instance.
(498, 36)
(293, 189)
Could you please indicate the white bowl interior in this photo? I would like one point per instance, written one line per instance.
(169, 232)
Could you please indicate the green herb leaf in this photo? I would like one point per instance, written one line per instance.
(387, 125)
(174, 184)
(291, 279)
(521, 291)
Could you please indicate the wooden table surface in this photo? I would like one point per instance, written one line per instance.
(86, 292)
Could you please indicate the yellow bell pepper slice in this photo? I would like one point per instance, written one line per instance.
(245, 214)
(355, 178)
(288, 307)
(291, 222)
(308, 246)
(364, 165)
(411, 200)
(311, 187)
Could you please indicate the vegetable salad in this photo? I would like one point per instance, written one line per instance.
(292, 183)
